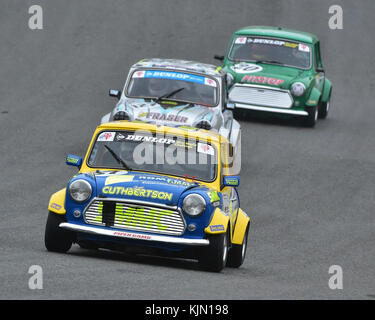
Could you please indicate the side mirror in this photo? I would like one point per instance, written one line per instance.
(219, 57)
(230, 79)
(115, 93)
(231, 181)
(72, 160)
(230, 106)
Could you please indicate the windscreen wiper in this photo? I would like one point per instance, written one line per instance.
(117, 158)
(168, 95)
(270, 61)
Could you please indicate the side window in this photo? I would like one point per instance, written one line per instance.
(235, 200)
(224, 92)
(317, 58)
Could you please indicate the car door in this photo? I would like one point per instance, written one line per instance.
(318, 68)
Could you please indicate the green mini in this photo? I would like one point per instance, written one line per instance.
(277, 71)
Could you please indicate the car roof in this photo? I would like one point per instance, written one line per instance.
(278, 32)
(179, 64)
(191, 132)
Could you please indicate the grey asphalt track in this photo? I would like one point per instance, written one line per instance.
(309, 192)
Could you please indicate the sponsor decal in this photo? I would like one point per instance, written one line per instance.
(136, 216)
(169, 102)
(240, 40)
(172, 75)
(218, 227)
(141, 138)
(139, 74)
(205, 148)
(138, 192)
(118, 179)
(120, 137)
(185, 144)
(110, 173)
(106, 136)
(245, 67)
(71, 159)
(56, 206)
(266, 41)
(263, 80)
(273, 42)
(291, 44)
(131, 235)
(303, 47)
(166, 117)
(231, 181)
(171, 181)
(209, 82)
(214, 196)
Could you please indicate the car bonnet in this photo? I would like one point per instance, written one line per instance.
(139, 186)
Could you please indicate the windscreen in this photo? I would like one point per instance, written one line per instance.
(152, 152)
(172, 85)
(277, 51)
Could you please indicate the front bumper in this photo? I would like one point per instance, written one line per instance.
(271, 109)
(134, 235)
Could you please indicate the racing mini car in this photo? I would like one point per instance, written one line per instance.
(176, 92)
(155, 190)
(277, 70)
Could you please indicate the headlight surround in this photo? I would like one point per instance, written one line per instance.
(80, 190)
(194, 204)
(298, 89)
(204, 124)
(121, 115)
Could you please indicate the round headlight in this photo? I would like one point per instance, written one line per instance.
(230, 79)
(121, 115)
(80, 190)
(204, 124)
(298, 89)
(194, 204)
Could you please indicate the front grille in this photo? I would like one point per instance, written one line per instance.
(261, 96)
(131, 216)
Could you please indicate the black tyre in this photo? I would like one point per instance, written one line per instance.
(237, 253)
(214, 256)
(324, 107)
(240, 114)
(88, 245)
(57, 239)
(312, 117)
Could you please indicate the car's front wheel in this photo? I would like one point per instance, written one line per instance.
(55, 238)
(312, 117)
(324, 107)
(237, 253)
(214, 256)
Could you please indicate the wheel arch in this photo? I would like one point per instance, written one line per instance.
(327, 90)
(57, 202)
(242, 224)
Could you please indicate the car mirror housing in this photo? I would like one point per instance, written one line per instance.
(231, 181)
(115, 93)
(230, 106)
(219, 57)
(72, 160)
(229, 79)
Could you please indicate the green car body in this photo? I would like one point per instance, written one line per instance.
(279, 71)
